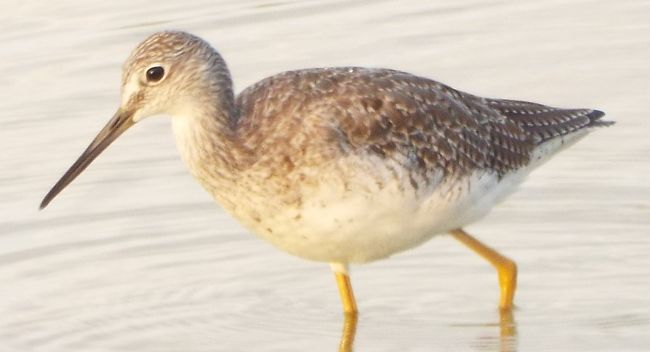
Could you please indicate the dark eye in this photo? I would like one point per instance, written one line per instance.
(155, 74)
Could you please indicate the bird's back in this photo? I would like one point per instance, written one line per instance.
(424, 125)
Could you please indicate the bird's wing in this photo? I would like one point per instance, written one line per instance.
(317, 114)
(423, 124)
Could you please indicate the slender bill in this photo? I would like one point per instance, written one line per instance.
(120, 122)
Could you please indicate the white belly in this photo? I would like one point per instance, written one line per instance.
(358, 209)
(350, 220)
(360, 222)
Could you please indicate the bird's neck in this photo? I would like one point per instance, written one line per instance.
(204, 128)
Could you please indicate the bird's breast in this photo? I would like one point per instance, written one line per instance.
(362, 210)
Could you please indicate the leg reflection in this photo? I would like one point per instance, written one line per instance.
(508, 331)
(349, 330)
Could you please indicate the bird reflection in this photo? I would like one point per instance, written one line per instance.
(507, 341)
(508, 331)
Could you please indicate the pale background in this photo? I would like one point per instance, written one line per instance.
(134, 256)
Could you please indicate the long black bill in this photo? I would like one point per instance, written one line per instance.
(120, 122)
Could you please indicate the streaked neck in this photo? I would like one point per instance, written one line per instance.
(204, 132)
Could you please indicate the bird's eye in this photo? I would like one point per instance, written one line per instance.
(155, 74)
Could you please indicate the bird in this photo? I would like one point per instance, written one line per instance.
(340, 165)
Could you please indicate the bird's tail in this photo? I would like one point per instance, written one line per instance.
(552, 129)
(545, 123)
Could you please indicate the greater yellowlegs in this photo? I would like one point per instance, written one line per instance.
(340, 165)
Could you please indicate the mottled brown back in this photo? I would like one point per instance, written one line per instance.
(424, 125)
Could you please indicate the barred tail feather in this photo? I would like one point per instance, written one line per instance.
(552, 129)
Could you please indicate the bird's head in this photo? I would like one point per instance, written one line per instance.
(166, 74)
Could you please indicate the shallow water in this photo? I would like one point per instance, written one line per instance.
(134, 256)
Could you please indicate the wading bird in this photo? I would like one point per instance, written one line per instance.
(340, 165)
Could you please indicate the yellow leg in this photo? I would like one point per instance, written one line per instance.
(506, 268)
(345, 289)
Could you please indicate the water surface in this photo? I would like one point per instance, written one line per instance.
(134, 256)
